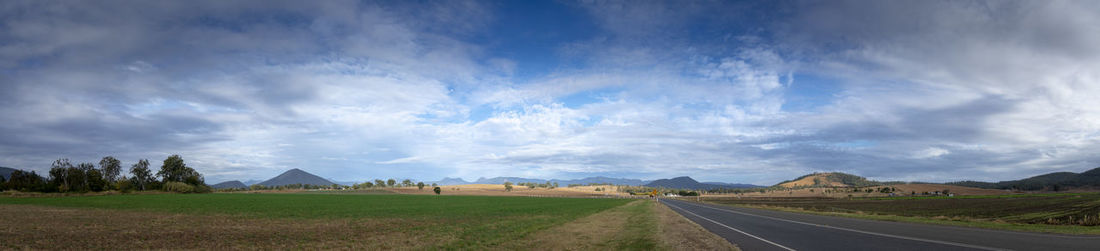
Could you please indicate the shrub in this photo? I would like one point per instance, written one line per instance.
(437, 190)
(178, 187)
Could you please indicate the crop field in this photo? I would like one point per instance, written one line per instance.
(284, 220)
(1055, 212)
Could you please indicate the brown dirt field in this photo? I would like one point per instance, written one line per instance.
(36, 227)
(679, 233)
(498, 190)
(958, 190)
(902, 189)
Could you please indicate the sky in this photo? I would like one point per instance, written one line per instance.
(733, 91)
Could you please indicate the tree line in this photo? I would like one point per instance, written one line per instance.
(64, 177)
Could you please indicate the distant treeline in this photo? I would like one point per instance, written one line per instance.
(1052, 181)
(174, 176)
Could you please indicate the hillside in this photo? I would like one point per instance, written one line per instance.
(686, 182)
(1056, 181)
(229, 184)
(732, 185)
(601, 180)
(296, 176)
(448, 181)
(6, 172)
(834, 179)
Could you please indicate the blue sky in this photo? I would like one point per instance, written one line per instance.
(747, 91)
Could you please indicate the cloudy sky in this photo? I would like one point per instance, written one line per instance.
(749, 92)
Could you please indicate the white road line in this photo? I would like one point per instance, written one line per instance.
(859, 231)
(731, 228)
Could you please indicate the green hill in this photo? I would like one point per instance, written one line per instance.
(1056, 181)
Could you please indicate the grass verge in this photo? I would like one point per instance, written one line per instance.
(957, 221)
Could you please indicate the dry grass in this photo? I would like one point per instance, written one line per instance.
(594, 232)
(619, 228)
(36, 227)
(679, 233)
(816, 179)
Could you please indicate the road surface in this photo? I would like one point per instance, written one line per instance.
(758, 229)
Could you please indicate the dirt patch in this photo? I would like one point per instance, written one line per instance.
(626, 227)
(36, 227)
(679, 233)
(594, 232)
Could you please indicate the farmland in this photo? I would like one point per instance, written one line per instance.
(280, 220)
(1053, 212)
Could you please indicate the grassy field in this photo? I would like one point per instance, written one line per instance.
(370, 221)
(1076, 213)
(446, 222)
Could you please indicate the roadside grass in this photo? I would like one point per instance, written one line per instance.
(1061, 213)
(438, 222)
(1026, 195)
(638, 225)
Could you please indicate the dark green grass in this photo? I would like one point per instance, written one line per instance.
(477, 221)
(1077, 213)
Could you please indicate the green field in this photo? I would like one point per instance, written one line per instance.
(464, 222)
(1064, 213)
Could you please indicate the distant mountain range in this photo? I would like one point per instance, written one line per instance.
(296, 176)
(6, 172)
(229, 184)
(500, 180)
(1056, 181)
(686, 182)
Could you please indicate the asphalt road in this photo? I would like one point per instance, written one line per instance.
(758, 229)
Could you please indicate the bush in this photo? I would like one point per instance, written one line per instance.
(178, 187)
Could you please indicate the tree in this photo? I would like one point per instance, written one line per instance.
(555, 185)
(508, 186)
(175, 170)
(111, 167)
(391, 182)
(142, 177)
(420, 185)
(25, 181)
(379, 183)
(86, 170)
(434, 185)
(59, 178)
(406, 183)
(437, 190)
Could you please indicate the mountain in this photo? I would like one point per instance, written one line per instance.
(6, 172)
(600, 180)
(732, 185)
(229, 184)
(834, 179)
(684, 182)
(584, 181)
(447, 181)
(252, 182)
(1052, 181)
(501, 180)
(296, 176)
